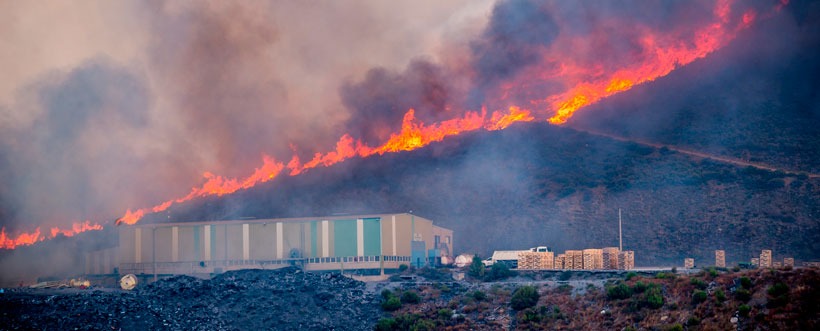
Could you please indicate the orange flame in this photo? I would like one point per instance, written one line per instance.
(663, 59)
(29, 238)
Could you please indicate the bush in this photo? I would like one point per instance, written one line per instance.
(743, 294)
(713, 272)
(445, 313)
(743, 310)
(639, 287)
(565, 276)
(387, 324)
(476, 268)
(618, 292)
(524, 297)
(699, 284)
(478, 295)
(746, 283)
(778, 295)
(387, 294)
(692, 321)
(698, 297)
(391, 304)
(403, 267)
(654, 298)
(720, 296)
(674, 327)
(630, 275)
(410, 297)
(497, 272)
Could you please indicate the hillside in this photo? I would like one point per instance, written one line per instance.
(536, 184)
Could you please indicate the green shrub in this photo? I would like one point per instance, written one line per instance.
(565, 276)
(478, 295)
(630, 275)
(746, 283)
(445, 313)
(674, 327)
(524, 297)
(699, 296)
(387, 324)
(743, 310)
(743, 294)
(403, 267)
(410, 297)
(386, 294)
(713, 272)
(720, 296)
(778, 289)
(391, 304)
(618, 292)
(778, 295)
(497, 272)
(654, 298)
(699, 284)
(692, 321)
(639, 287)
(530, 316)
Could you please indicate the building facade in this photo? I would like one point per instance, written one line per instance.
(720, 258)
(626, 260)
(688, 263)
(766, 258)
(362, 243)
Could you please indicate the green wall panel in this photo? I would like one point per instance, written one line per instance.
(344, 235)
(372, 236)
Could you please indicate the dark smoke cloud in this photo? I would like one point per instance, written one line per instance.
(517, 29)
(379, 102)
(81, 149)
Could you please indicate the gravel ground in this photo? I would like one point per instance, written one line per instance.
(285, 299)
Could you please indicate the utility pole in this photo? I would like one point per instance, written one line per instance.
(620, 232)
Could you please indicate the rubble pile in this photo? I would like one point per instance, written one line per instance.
(285, 299)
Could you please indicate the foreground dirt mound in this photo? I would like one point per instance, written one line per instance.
(285, 299)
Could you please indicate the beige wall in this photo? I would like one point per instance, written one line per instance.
(163, 238)
(262, 241)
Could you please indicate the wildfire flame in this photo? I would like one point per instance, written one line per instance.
(587, 86)
(24, 239)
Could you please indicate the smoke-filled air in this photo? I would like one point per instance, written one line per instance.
(113, 110)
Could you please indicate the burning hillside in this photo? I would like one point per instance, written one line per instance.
(532, 62)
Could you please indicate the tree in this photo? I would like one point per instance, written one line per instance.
(476, 268)
(524, 297)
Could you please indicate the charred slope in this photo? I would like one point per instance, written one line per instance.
(539, 184)
(535, 184)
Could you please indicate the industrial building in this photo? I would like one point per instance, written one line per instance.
(365, 244)
(688, 263)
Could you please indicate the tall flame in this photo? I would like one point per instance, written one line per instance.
(586, 86)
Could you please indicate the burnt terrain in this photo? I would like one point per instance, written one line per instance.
(286, 299)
